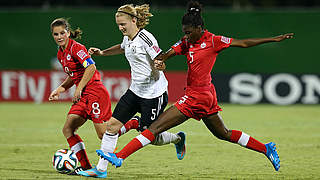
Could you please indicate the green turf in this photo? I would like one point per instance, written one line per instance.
(31, 133)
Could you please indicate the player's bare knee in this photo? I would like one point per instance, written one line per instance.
(67, 131)
(113, 125)
(154, 130)
(100, 136)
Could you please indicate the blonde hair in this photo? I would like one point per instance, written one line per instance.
(140, 12)
(74, 34)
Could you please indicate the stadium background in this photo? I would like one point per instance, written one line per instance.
(278, 73)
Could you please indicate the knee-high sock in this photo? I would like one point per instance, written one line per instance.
(145, 138)
(77, 146)
(166, 138)
(108, 144)
(247, 141)
(132, 124)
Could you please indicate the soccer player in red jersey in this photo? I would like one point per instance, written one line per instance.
(200, 102)
(91, 99)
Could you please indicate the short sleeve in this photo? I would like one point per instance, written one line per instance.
(80, 52)
(180, 47)
(150, 44)
(221, 42)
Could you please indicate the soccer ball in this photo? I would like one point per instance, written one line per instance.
(65, 161)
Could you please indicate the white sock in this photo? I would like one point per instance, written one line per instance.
(108, 144)
(166, 138)
(123, 130)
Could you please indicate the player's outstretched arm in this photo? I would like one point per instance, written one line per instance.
(245, 43)
(161, 58)
(67, 83)
(114, 50)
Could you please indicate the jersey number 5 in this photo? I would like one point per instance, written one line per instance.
(191, 56)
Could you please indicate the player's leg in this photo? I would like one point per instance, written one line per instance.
(168, 119)
(76, 144)
(108, 144)
(150, 110)
(215, 124)
(133, 123)
(123, 112)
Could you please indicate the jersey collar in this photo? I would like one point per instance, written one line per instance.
(69, 45)
(203, 37)
(136, 34)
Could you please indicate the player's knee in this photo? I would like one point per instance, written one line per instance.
(100, 135)
(113, 125)
(225, 135)
(67, 131)
(154, 130)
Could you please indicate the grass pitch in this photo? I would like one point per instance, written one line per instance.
(31, 133)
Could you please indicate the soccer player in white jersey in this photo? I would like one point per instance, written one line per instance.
(147, 93)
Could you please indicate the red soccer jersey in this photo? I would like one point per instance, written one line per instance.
(73, 59)
(201, 57)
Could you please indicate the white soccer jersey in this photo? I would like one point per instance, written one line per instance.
(146, 81)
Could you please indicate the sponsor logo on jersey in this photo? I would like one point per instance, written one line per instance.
(156, 48)
(81, 54)
(177, 43)
(203, 45)
(225, 40)
(68, 57)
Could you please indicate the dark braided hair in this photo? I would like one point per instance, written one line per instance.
(193, 15)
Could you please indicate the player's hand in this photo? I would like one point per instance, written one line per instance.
(160, 65)
(94, 51)
(54, 95)
(283, 37)
(76, 96)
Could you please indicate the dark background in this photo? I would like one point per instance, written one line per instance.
(27, 42)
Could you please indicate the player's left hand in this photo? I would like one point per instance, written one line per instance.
(160, 65)
(76, 96)
(283, 37)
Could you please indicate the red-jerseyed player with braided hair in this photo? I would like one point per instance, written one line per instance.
(200, 102)
(91, 99)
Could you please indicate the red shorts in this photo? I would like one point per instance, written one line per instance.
(94, 104)
(198, 103)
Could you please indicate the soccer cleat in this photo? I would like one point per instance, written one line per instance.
(93, 173)
(272, 155)
(181, 145)
(78, 169)
(111, 157)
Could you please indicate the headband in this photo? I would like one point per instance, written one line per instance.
(128, 14)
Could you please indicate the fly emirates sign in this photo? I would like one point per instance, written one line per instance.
(242, 88)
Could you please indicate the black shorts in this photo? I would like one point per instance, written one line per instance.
(129, 104)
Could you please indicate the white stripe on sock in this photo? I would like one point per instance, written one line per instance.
(144, 141)
(77, 147)
(243, 141)
(123, 130)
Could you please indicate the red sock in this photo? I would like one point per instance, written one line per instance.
(247, 141)
(145, 138)
(76, 145)
(132, 124)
